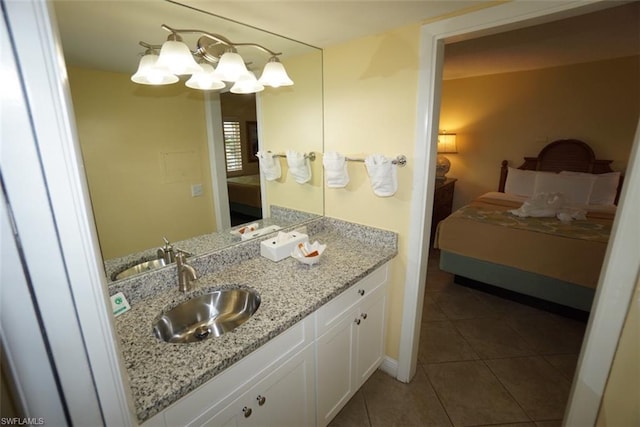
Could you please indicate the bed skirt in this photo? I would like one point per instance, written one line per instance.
(522, 282)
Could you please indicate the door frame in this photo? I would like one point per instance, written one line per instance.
(620, 268)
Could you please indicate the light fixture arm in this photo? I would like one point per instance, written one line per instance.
(218, 38)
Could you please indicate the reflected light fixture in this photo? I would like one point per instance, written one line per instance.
(150, 73)
(176, 59)
(446, 145)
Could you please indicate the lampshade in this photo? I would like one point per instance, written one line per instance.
(205, 79)
(447, 143)
(230, 67)
(247, 84)
(149, 73)
(176, 56)
(274, 74)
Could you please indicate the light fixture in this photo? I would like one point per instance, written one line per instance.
(205, 79)
(274, 74)
(149, 73)
(175, 58)
(231, 67)
(446, 145)
(247, 83)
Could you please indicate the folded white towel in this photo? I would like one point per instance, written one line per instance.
(540, 205)
(548, 205)
(382, 174)
(335, 169)
(269, 165)
(299, 167)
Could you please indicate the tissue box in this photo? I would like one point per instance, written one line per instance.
(280, 247)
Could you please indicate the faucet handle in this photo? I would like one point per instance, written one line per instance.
(182, 251)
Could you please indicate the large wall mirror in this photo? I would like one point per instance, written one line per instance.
(154, 156)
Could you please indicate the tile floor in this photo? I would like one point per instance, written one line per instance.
(483, 361)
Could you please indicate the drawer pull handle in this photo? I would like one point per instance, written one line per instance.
(361, 292)
(261, 400)
(363, 315)
(357, 321)
(247, 412)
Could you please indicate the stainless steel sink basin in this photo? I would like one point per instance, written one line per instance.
(140, 268)
(206, 316)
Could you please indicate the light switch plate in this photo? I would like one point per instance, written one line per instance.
(196, 190)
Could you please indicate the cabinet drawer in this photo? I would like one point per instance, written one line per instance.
(331, 312)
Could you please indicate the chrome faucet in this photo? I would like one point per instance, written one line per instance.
(167, 253)
(186, 273)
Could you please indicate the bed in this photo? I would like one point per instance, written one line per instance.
(540, 259)
(244, 195)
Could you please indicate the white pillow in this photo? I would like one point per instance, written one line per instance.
(575, 188)
(605, 186)
(520, 182)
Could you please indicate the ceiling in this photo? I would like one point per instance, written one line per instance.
(104, 34)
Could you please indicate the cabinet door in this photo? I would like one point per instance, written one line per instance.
(370, 335)
(335, 380)
(284, 398)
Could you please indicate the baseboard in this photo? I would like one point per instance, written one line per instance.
(389, 366)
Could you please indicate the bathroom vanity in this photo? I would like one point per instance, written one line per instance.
(318, 334)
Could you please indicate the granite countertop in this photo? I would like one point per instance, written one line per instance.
(161, 373)
(281, 217)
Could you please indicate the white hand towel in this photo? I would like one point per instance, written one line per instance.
(382, 174)
(269, 165)
(335, 170)
(298, 166)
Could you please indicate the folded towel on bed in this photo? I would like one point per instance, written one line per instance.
(548, 205)
(382, 174)
(335, 170)
(269, 165)
(299, 167)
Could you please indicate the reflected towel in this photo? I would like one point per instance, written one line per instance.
(335, 170)
(382, 174)
(269, 165)
(298, 166)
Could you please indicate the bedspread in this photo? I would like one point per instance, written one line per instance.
(485, 230)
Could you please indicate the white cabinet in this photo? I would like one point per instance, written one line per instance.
(351, 333)
(281, 372)
(285, 397)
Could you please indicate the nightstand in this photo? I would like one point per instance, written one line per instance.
(442, 202)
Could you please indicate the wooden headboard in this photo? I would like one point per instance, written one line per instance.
(562, 155)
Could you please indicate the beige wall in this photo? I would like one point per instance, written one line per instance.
(291, 119)
(621, 401)
(143, 147)
(511, 115)
(370, 100)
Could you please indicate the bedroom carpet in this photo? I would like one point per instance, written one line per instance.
(482, 361)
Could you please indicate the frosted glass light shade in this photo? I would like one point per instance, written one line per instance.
(205, 79)
(177, 57)
(247, 84)
(275, 75)
(149, 73)
(231, 67)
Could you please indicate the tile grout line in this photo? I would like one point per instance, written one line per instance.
(444, 408)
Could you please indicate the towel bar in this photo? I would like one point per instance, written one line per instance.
(400, 161)
(311, 156)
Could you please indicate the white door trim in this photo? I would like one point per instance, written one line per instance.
(49, 198)
(432, 36)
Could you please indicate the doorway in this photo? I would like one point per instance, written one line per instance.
(433, 36)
